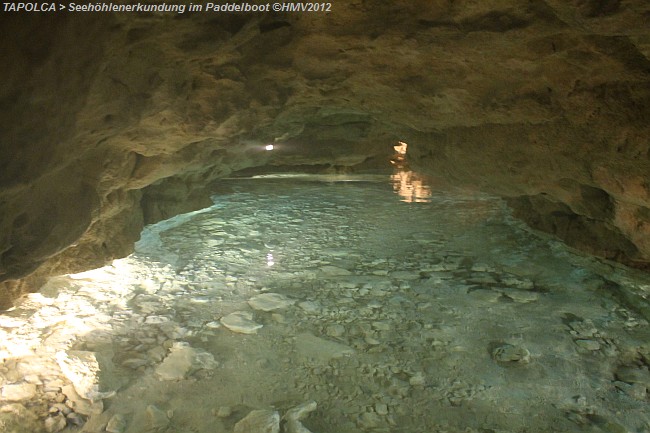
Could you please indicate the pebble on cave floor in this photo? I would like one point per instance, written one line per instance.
(325, 306)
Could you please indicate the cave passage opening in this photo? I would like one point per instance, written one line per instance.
(336, 304)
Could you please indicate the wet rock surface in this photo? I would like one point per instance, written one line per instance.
(430, 327)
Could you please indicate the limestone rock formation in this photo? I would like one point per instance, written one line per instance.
(113, 121)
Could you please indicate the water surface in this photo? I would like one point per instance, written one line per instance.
(422, 312)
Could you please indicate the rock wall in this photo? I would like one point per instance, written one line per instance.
(114, 121)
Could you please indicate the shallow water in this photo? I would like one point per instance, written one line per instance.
(394, 314)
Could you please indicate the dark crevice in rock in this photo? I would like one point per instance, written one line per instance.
(598, 8)
(160, 201)
(494, 21)
(623, 50)
(438, 23)
(597, 237)
(597, 203)
(269, 26)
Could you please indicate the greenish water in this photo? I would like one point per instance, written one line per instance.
(429, 311)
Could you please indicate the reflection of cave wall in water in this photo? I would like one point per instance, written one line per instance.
(111, 121)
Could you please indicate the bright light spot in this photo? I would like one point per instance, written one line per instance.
(269, 260)
(401, 148)
(399, 158)
(269, 147)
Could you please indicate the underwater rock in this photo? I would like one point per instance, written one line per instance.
(224, 412)
(518, 283)
(335, 330)
(484, 295)
(259, 421)
(334, 271)
(82, 405)
(295, 415)
(382, 326)
(591, 345)
(241, 322)
(300, 412)
(158, 420)
(372, 341)
(117, 424)
(633, 375)
(74, 418)
(82, 369)
(510, 354)
(176, 365)
(213, 325)
(56, 423)
(381, 409)
(637, 391)
(310, 307)
(182, 360)
(17, 392)
(310, 346)
(270, 302)
(157, 353)
(369, 421)
(293, 426)
(520, 296)
(417, 379)
(405, 275)
(14, 417)
(583, 328)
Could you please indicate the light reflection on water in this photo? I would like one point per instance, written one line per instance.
(411, 187)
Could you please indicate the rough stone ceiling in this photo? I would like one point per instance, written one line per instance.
(113, 121)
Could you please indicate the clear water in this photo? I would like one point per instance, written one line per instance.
(429, 311)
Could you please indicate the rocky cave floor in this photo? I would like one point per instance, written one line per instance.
(332, 306)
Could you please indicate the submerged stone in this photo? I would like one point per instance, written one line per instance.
(521, 296)
(510, 354)
(335, 330)
(591, 345)
(18, 392)
(259, 421)
(634, 375)
(334, 271)
(117, 424)
(82, 368)
(181, 360)
(241, 322)
(310, 346)
(270, 302)
(301, 412)
(295, 415)
(55, 424)
(310, 307)
(157, 419)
